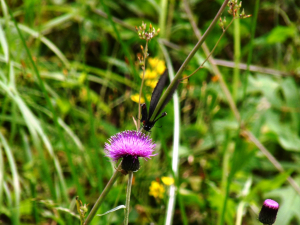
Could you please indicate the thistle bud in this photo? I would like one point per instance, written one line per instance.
(268, 212)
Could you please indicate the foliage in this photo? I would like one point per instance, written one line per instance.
(67, 80)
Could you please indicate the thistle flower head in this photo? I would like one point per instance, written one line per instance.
(130, 145)
(268, 212)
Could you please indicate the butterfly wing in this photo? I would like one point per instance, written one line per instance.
(144, 113)
(169, 97)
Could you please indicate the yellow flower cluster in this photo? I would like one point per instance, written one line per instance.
(135, 98)
(157, 189)
(157, 67)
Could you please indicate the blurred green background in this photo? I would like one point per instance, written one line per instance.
(66, 80)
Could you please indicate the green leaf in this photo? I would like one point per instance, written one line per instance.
(291, 95)
(190, 198)
(268, 185)
(287, 137)
(63, 105)
(239, 153)
(216, 200)
(280, 34)
(267, 86)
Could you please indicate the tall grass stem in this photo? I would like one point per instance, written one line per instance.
(176, 138)
(15, 209)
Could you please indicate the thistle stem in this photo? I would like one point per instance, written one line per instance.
(103, 195)
(128, 193)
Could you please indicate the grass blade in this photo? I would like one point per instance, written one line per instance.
(15, 180)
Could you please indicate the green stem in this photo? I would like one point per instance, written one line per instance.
(163, 17)
(212, 51)
(225, 201)
(170, 15)
(225, 178)
(182, 209)
(103, 195)
(237, 55)
(143, 79)
(212, 62)
(188, 59)
(128, 193)
(253, 27)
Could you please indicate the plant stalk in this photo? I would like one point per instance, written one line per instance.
(188, 59)
(143, 79)
(175, 153)
(212, 62)
(128, 193)
(237, 56)
(212, 51)
(103, 195)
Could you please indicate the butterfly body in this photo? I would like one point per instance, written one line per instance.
(146, 117)
(147, 124)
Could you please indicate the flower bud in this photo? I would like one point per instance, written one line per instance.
(268, 212)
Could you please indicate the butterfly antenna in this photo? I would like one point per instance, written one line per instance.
(162, 115)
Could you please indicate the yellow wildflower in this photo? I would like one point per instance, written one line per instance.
(168, 180)
(157, 64)
(157, 190)
(151, 83)
(157, 67)
(149, 74)
(135, 98)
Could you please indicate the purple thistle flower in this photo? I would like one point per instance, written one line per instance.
(268, 212)
(130, 145)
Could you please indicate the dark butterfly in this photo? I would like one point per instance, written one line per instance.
(147, 124)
